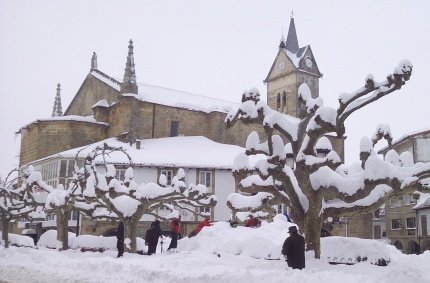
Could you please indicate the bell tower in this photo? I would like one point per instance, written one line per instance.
(292, 67)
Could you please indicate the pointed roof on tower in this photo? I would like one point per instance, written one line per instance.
(301, 59)
(129, 82)
(57, 111)
(292, 43)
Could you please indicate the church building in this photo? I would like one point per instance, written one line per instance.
(105, 108)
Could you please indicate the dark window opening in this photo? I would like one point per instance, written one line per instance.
(174, 127)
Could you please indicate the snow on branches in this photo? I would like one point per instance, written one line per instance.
(128, 201)
(307, 173)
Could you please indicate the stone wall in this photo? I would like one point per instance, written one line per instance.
(358, 226)
(91, 91)
(43, 138)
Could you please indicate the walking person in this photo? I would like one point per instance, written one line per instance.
(294, 249)
(120, 239)
(175, 227)
(152, 235)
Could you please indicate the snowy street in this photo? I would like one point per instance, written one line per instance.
(30, 265)
(218, 254)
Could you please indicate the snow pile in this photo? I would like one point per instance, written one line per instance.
(352, 250)
(19, 240)
(263, 242)
(49, 240)
(266, 242)
(102, 243)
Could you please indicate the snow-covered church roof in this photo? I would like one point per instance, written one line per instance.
(171, 97)
(188, 152)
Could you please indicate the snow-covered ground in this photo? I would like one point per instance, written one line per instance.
(218, 254)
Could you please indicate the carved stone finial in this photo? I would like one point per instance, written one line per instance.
(94, 61)
(129, 83)
(282, 43)
(57, 111)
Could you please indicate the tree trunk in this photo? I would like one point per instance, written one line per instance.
(130, 231)
(62, 229)
(5, 231)
(313, 232)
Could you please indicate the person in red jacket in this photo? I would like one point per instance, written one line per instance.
(199, 227)
(175, 227)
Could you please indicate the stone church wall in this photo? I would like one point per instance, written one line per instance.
(91, 91)
(44, 138)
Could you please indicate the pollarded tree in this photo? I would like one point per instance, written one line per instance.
(60, 201)
(318, 186)
(20, 197)
(128, 201)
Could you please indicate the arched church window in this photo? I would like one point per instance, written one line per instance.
(284, 98)
(278, 101)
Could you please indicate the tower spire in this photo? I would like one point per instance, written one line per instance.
(282, 43)
(292, 43)
(94, 61)
(57, 111)
(129, 83)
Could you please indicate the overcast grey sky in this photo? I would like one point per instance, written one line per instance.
(214, 48)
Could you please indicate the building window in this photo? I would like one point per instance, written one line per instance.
(407, 199)
(396, 224)
(67, 167)
(168, 174)
(205, 210)
(377, 232)
(120, 174)
(278, 101)
(50, 217)
(74, 215)
(410, 223)
(174, 128)
(49, 173)
(424, 225)
(395, 202)
(279, 208)
(205, 178)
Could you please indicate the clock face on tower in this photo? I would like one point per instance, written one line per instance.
(282, 65)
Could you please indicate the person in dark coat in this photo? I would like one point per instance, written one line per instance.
(294, 249)
(152, 235)
(120, 239)
(175, 227)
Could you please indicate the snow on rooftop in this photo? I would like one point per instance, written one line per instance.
(171, 97)
(106, 79)
(405, 136)
(101, 103)
(194, 151)
(181, 99)
(87, 119)
(296, 57)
